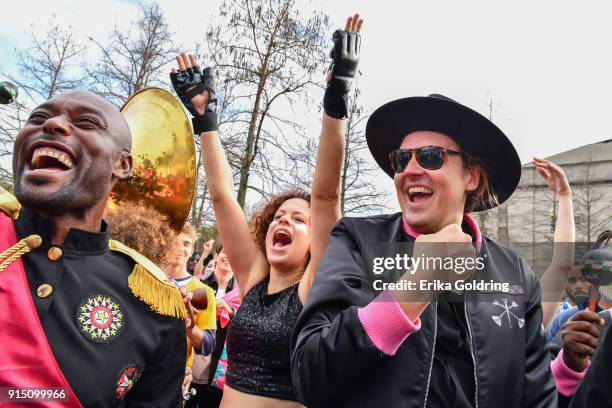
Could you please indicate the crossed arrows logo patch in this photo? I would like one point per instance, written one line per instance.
(507, 314)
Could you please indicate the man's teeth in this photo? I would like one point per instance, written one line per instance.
(424, 190)
(59, 156)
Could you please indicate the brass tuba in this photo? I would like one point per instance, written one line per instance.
(164, 174)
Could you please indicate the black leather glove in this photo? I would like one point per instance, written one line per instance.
(345, 57)
(190, 82)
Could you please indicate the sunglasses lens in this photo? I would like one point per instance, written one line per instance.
(399, 160)
(430, 158)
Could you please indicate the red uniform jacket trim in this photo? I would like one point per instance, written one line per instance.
(26, 358)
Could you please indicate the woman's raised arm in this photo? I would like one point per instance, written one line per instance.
(197, 91)
(325, 197)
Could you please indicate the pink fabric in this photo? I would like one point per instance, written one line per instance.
(408, 229)
(474, 227)
(566, 379)
(466, 217)
(232, 298)
(471, 223)
(219, 381)
(386, 324)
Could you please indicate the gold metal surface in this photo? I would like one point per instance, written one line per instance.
(54, 253)
(33, 241)
(44, 290)
(164, 173)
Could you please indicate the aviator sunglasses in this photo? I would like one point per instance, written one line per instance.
(428, 157)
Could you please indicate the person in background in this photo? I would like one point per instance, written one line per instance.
(201, 335)
(143, 228)
(205, 367)
(232, 300)
(576, 286)
(199, 269)
(578, 340)
(210, 266)
(594, 389)
(604, 302)
(562, 261)
(191, 264)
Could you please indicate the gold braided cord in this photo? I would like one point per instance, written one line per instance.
(13, 253)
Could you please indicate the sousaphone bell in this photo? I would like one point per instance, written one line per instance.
(164, 173)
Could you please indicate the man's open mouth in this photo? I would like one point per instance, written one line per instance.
(51, 159)
(419, 194)
(281, 239)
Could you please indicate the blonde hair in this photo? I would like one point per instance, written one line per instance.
(191, 231)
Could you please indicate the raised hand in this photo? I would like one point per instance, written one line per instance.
(207, 247)
(553, 175)
(448, 243)
(221, 304)
(190, 317)
(188, 378)
(198, 92)
(580, 339)
(343, 68)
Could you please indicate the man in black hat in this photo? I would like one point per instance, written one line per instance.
(417, 308)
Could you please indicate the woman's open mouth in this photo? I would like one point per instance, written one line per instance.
(281, 239)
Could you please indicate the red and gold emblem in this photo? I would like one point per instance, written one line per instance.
(127, 378)
(100, 318)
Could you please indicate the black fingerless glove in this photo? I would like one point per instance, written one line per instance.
(345, 57)
(191, 82)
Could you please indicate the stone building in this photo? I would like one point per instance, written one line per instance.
(526, 221)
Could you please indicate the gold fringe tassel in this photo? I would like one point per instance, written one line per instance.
(10, 255)
(161, 298)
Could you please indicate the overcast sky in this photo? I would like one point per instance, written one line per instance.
(546, 64)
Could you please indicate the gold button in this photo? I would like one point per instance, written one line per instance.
(33, 241)
(54, 253)
(44, 290)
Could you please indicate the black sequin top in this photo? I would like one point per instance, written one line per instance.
(258, 342)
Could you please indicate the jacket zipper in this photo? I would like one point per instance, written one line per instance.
(433, 351)
(467, 320)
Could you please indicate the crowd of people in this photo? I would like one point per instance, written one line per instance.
(283, 309)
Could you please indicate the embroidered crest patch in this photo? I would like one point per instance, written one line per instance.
(127, 378)
(100, 318)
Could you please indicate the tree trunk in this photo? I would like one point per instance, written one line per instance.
(245, 161)
(345, 165)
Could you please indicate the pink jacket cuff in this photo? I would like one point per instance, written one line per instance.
(386, 324)
(566, 379)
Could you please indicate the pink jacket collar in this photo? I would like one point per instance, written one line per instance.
(471, 223)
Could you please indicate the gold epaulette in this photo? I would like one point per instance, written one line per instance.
(9, 204)
(151, 285)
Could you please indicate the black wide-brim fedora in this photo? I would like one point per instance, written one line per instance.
(389, 124)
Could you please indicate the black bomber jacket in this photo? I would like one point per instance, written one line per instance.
(335, 364)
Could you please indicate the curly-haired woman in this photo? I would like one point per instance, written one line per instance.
(275, 270)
